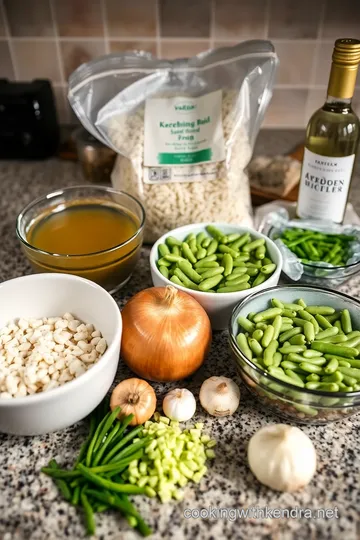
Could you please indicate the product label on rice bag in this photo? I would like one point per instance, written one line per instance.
(181, 132)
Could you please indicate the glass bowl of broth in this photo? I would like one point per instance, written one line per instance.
(94, 232)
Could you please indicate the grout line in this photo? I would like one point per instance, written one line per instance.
(282, 126)
(105, 26)
(212, 24)
(57, 43)
(267, 19)
(158, 28)
(322, 21)
(9, 41)
(147, 38)
(300, 86)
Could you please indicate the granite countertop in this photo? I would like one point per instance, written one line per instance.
(30, 506)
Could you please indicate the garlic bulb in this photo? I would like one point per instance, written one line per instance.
(220, 396)
(282, 457)
(179, 404)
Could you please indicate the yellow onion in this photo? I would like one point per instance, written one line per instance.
(166, 334)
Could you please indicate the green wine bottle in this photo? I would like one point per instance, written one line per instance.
(332, 139)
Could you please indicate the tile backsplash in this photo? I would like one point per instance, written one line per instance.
(50, 38)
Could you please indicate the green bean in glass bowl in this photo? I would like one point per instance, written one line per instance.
(297, 349)
(328, 259)
(216, 263)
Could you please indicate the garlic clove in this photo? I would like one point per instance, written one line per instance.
(179, 404)
(219, 396)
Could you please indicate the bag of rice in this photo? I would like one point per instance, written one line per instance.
(184, 129)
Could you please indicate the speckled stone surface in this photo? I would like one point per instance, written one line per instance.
(30, 507)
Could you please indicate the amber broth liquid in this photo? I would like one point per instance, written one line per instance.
(81, 229)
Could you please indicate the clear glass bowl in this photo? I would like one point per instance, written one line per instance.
(329, 277)
(291, 402)
(110, 268)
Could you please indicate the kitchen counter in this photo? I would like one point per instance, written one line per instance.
(30, 506)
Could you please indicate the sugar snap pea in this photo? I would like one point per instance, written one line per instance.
(312, 354)
(211, 272)
(171, 241)
(260, 252)
(332, 366)
(209, 283)
(201, 253)
(255, 346)
(285, 326)
(268, 336)
(164, 271)
(177, 281)
(293, 375)
(269, 352)
(247, 325)
(188, 254)
(234, 288)
(346, 321)
(277, 324)
(320, 310)
(253, 245)
(163, 250)
(244, 346)
(310, 367)
(185, 280)
(260, 278)
(292, 349)
(235, 282)
(268, 268)
(323, 321)
(190, 272)
(214, 232)
(336, 350)
(257, 334)
(329, 332)
(298, 340)
(228, 263)
(277, 303)
(314, 377)
(289, 334)
(267, 314)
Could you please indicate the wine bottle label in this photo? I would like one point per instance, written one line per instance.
(324, 186)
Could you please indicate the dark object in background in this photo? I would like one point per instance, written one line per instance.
(96, 159)
(28, 122)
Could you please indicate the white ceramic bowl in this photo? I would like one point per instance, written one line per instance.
(218, 306)
(46, 295)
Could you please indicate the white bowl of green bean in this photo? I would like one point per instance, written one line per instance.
(205, 260)
(297, 348)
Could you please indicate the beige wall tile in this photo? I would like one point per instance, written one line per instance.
(29, 18)
(37, 59)
(122, 46)
(291, 19)
(61, 103)
(79, 18)
(239, 20)
(75, 53)
(316, 99)
(185, 18)
(131, 18)
(296, 60)
(2, 22)
(323, 63)
(6, 68)
(342, 19)
(171, 49)
(287, 108)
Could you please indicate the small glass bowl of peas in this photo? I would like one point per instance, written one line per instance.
(318, 250)
(297, 349)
